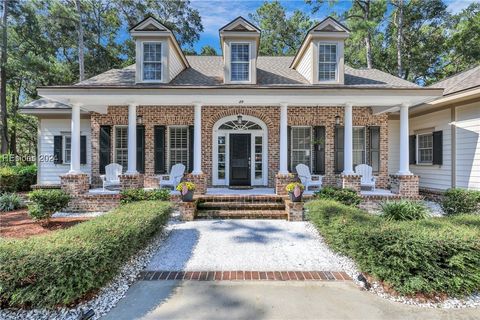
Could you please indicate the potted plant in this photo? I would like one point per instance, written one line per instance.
(186, 190)
(295, 191)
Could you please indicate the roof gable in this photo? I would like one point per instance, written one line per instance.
(329, 24)
(240, 24)
(149, 24)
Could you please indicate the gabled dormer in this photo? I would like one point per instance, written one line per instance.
(240, 40)
(320, 58)
(159, 58)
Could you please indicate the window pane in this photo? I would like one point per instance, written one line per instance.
(240, 52)
(152, 71)
(121, 146)
(68, 149)
(327, 62)
(152, 52)
(301, 146)
(178, 146)
(358, 146)
(240, 71)
(425, 148)
(221, 157)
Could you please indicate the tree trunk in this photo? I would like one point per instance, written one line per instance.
(368, 37)
(3, 81)
(400, 38)
(80, 41)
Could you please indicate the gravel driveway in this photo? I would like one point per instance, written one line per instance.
(259, 245)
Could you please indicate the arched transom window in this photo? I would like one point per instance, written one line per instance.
(240, 124)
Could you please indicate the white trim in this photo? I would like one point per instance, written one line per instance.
(249, 62)
(217, 132)
(163, 62)
(417, 149)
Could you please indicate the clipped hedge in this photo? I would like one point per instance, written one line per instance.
(133, 195)
(430, 256)
(461, 201)
(348, 197)
(17, 178)
(61, 267)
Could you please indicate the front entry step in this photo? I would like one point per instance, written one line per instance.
(241, 214)
(241, 207)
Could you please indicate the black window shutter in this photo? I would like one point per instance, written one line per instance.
(319, 150)
(338, 149)
(159, 153)
(57, 149)
(289, 149)
(438, 147)
(83, 149)
(412, 145)
(105, 147)
(141, 149)
(190, 148)
(374, 148)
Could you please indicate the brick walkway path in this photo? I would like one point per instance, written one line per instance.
(244, 275)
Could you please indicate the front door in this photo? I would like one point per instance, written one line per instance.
(240, 159)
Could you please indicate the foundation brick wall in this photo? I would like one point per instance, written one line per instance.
(131, 181)
(349, 182)
(93, 203)
(281, 182)
(297, 116)
(406, 186)
(200, 181)
(74, 184)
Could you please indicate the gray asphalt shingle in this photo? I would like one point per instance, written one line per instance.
(459, 82)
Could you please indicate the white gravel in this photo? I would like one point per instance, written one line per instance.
(78, 214)
(244, 245)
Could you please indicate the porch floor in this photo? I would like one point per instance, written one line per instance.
(377, 192)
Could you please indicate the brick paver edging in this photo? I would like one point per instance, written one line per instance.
(245, 275)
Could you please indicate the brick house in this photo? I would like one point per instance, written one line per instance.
(233, 120)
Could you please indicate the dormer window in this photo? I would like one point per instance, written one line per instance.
(327, 62)
(240, 62)
(152, 61)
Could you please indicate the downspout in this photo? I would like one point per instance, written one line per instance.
(453, 135)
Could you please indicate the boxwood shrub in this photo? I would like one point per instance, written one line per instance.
(61, 267)
(348, 197)
(133, 195)
(461, 201)
(430, 256)
(17, 178)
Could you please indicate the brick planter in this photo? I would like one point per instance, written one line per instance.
(151, 182)
(405, 186)
(351, 181)
(294, 210)
(131, 181)
(187, 210)
(93, 203)
(74, 184)
(282, 180)
(200, 181)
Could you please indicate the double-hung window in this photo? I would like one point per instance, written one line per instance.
(178, 143)
(327, 62)
(359, 146)
(67, 149)
(152, 61)
(121, 146)
(425, 148)
(240, 62)
(301, 148)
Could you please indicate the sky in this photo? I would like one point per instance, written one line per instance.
(216, 14)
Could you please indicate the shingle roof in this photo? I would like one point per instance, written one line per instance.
(459, 82)
(45, 103)
(271, 71)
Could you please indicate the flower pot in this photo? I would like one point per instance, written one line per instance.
(188, 197)
(293, 198)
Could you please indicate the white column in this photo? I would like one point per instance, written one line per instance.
(132, 139)
(197, 140)
(348, 140)
(283, 139)
(404, 169)
(75, 141)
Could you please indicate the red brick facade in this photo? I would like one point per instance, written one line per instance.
(270, 115)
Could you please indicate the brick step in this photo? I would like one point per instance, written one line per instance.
(241, 214)
(240, 199)
(256, 206)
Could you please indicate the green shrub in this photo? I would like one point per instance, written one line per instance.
(430, 256)
(19, 178)
(461, 201)
(404, 210)
(9, 202)
(62, 267)
(46, 202)
(348, 197)
(132, 195)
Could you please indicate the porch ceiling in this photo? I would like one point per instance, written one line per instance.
(383, 100)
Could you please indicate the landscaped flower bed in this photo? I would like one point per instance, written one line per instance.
(429, 257)
(64, 266)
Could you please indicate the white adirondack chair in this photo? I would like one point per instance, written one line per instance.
(112, 175)
(367, 180)
(307, 179)
(174, 178)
